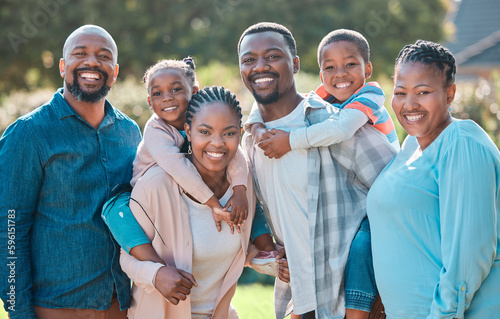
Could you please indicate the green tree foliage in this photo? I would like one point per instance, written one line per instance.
(33, 31)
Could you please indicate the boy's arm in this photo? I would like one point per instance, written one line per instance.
(255, 125)
(253, 117)
(367, 104)
(337, 128)
(164, 150)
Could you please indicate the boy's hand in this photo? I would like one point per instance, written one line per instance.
(239, 206)
(283, 273)
(260, 132)
(276, 146)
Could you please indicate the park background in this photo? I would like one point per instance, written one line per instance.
(32, 33)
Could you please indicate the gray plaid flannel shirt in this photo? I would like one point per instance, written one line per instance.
(339, 177)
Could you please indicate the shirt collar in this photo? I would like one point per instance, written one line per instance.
(64, 110)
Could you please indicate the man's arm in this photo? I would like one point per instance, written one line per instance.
(21, 174)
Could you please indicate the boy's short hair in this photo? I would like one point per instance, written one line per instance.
(273, 27)
(352, 36)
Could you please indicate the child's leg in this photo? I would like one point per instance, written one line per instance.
(264, 242)
(360, 288)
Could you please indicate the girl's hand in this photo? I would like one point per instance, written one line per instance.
(219, 214)
(174, 284)
(239, 206)
(276, 146)
(260, 132)
(283, 272)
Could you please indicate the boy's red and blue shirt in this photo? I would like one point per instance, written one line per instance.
(368, 99)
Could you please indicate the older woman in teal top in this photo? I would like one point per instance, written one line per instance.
(434, 210)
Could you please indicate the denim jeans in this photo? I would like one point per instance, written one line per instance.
(359, 280)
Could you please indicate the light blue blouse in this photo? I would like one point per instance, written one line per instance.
(435, 223)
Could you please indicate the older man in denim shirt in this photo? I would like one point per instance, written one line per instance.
(58, 165)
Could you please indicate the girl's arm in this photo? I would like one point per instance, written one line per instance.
(163, 143)
(238, 172)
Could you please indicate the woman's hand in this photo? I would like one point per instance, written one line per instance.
(174, 284)
(283, 273)
(239, 206)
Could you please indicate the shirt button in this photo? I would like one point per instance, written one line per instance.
(104, 159)
(463, 288)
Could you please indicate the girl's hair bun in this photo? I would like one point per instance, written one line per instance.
(189, 61)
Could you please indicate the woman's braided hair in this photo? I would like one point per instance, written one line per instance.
(430, 53)
(209, 95)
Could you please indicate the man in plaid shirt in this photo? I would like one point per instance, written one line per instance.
(314, 198)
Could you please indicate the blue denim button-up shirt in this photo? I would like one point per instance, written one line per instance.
(56, 172)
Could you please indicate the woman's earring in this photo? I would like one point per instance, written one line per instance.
(190, 151)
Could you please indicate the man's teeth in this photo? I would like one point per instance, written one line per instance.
(95, 76)
(342, 85)
(215, 154)
(263, 80)
(413, 118)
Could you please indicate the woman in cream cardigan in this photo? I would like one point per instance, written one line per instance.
(202, 264)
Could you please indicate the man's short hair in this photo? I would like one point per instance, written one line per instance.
(352, 36)
(273, 27)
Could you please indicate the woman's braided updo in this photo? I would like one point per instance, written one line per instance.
(430, 53)
(209, 95)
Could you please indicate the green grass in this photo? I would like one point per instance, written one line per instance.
(3, 314)
(254, 301)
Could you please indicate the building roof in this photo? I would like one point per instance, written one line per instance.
(477, 38)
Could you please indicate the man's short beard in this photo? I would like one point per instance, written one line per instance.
(268, 99)
(90, 97)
